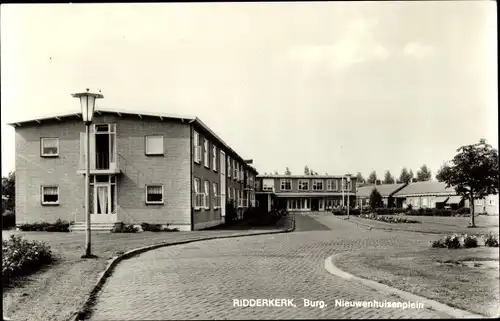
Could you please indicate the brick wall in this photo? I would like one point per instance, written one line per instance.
(33, 171)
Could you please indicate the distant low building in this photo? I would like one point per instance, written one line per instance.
(428, 194)
(386, 190)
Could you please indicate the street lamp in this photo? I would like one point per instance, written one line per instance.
(348, 190)
(87, 102)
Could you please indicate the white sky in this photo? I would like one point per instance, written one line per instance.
(339, 86)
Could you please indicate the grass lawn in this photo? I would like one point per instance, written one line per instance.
(438, 224)
(463, 278)
(59, 290)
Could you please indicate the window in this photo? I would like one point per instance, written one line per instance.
(317, 185)
(229, 166)
(215, 204)
(235, 168)
(199, 196)
(329, 184)
(205, 151)
(197, 148)
(207, 194)
(479, 202)
(336, 185)
(154, 194)
(49, 147)
(214, 158)
(286, 184)
(154, 145)
(491, 201)
(424, 201)
(50, 195)
(303, 185)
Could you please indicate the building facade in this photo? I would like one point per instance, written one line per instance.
(305, 193)
(153, 168)
(387, 192)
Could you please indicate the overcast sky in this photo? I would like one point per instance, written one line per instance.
(339, 86)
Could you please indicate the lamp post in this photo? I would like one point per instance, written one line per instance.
(87, 103)
(348, 190)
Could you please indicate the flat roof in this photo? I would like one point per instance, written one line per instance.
(306, 176)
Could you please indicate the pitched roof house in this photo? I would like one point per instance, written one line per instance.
(428, 194)
(386, 190)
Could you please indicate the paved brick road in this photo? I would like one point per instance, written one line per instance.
(200, 280)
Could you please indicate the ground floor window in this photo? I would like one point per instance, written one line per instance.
(298, 204)
(154, 194)
(50, 195)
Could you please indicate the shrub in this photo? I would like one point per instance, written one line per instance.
(8, 220)
(469, 241)
(490, 240)
(20, 256)
(438, 244)
(146, 227)
(125, 228)
(231, 214)
(58, 226)
(452, 241)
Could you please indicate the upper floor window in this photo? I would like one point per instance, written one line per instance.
(229, 166)
(154, 145)
(329, 185)
(286, 184)
(197, 147)
(205, 150)
(154, 194)
(50, 195)
(303, 185)
(49, 147)
(214, 157)
(235, 168)
(317, 185)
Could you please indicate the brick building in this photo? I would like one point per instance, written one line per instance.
(144, 167)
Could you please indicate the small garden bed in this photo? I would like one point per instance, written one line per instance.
(388, 219)
(58, 226)
(457, 241)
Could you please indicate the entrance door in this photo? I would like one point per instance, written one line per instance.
(321, 205)
(223, 183)
(104, 209)
(314, 204)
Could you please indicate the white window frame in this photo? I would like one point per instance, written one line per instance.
(214, 198)
(329, 185)
(196, 183)
(42, 146)
(283, 181)
(491, 201)
(154, 153)
(229, 166)
(214, 157)
(206, 158)
(206, 190)
(197, 150)
(162, 194)
(301, 183)
(425, 202)
(235, 169)
(42, 194)
(478, 202)
(315, 185)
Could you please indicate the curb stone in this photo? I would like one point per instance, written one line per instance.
(407, 296)
(85, 312)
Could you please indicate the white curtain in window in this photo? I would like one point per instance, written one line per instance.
(154, 190)
(50, 190)
(50, 142)
(102, 195)
(154, 144)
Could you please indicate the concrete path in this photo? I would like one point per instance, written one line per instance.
(202, 280)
